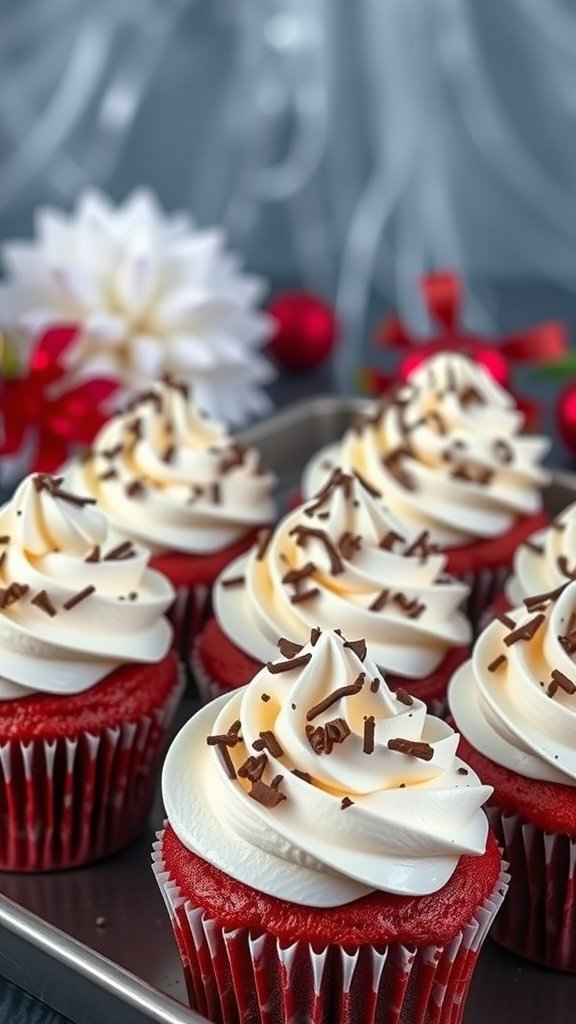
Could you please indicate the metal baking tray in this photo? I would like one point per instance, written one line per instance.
(96, 943)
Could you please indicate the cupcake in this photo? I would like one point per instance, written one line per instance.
(88, 685)
(326, 857)
(446, 452)
(544, 561)
(515, 705)
(343, 557)
(177, 483)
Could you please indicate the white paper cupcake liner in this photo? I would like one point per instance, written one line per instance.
(72, 800)
(236, 977)
(539, 919)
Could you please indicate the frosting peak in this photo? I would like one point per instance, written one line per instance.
(515, 701)
(343, 556)
(546, 560)
(74, 603)
(445, 449)
(173, 479)
(330, 784)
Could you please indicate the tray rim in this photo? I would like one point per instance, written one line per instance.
(142, 1002)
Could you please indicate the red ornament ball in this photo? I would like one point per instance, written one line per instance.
(306, 330)
(566, 415)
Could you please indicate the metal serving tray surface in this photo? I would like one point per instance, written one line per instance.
(96, 943)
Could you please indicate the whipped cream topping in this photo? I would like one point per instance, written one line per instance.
(315, 783)
(344, 557)
(74, 604)
(446, 451)
(515, 700)
(546, 560)
(172, 479)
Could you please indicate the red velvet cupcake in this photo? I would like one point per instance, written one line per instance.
(326, 857)
(342, 557)
(446, 452)
(514, 704)
(177, 483)
(88, 686)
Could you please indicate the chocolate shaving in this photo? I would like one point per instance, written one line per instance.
(542, 599)
(144, 397)
(335, 696)
(412, 606)
(471, 395)
(337, 479)
(375, 685)
(346, 802)
(389, 540)
(275, 667)
(372, 491)
(503, 451)
(380, 601)
(302, 533)
(302, 775)
(9, 595)
(253, 768)
(434, 420)
(111, 453)
(267, 796)
(108, 474)
(404, 697)
(506, 621)
(121, 552)
(43, 602)
(169, 453)
(349, 544)
(262, 541)
(215, 493)
(315, 635)
(369, 729)
(229, 739)
(135, 428)
(563, 682)
(304, 595)
(558, 524)
(538, 549)
(526, 631)
(413, 748)
(288, 649)
(265, 697)
(233, 581)
(45, 482)
(232, 458)
(500, 660)
(472, 474)
(358, 647)
(421, 546)
(267, 741)
(80, 596)
(135, 489)
(323, 737)
(5, 538)
(462, 771)
(2, 558)
(391, 462)
(177, 384)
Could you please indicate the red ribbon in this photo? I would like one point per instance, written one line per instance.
(59, 414)
(443, 297)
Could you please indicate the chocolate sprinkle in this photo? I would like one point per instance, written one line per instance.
(358, 647)
(391, 462)
(404, 697)
(169, 453)
(413, 748)
(542, 599)
(45, 482)
(121, 552)
(302, 533)
(233, 458)
(265, 697)
(500, 660)
(389, 540)
(565, 569)
(94, 555)
(506, 621)
(276, 667)
(302, 775)
(5, 538)
(135, 489)
(108, 474)
(233, 581)
(369, 729)
(43, 602)
(304, 595)
(337, 479)
(526, 631)
(380, 601)
(253, 767)
(563, 682)
(462, 771)
(349, 544)
(346, 802)
(80, 596)
(538, 549)
(375, 685)
(335, 696)
(372, 491)
(9, 595)
(323, 737)
(267, 741)
(315, 635)
(263, 539)
(503, 451)
(267, 796)
(421, 546)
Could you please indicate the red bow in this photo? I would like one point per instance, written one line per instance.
(60, 415)
(543, 342)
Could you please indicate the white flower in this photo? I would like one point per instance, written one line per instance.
(152, 295)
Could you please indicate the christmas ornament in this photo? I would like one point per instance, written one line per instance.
(150, 294)
(305, 330)
(58, 416)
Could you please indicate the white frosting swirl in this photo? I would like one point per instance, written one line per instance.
(513, 712)
(446, 453)
(408, 611)
(172, 479)
(73, 606)
(360, 819)
(546, 560)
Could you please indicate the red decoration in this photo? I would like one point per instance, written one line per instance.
(60, 415)
(442, 293)
(566, 415)
(306, 330)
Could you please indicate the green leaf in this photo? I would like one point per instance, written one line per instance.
(565, 367)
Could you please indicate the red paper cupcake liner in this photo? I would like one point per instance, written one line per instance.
(235, 977)
(73, 800)
(538, 921)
